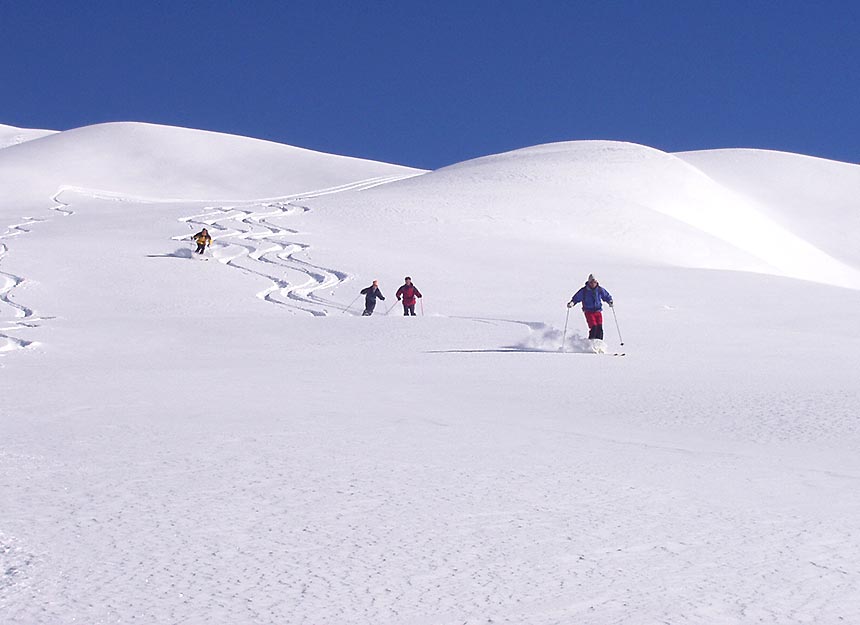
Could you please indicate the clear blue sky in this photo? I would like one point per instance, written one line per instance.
(436, 82)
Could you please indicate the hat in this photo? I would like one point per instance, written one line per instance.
(407, 278)
(591, 277)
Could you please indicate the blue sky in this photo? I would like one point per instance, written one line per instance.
(432, 83)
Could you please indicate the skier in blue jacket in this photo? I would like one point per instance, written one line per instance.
(592, 296)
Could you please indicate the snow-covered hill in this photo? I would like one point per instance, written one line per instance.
(809, 196)
(160, 162)
(227, 440)
(617, 201)
(10, 135)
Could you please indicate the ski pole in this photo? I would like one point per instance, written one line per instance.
(564, 334)
(392, 307)
(421, 299)
(352, 302)
(616, 324)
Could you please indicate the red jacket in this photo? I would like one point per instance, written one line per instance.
(408, 292)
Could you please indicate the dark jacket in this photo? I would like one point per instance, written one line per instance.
(371, 294)
(202, 238)
(590, 298)
(408, 292)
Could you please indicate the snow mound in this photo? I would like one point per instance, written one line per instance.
(812, 197)
(10, 135)
(605, 200)
(151, 161)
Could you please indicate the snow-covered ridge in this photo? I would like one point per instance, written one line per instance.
(147, 160)
(630, 201)
(814, 198)
(10, 135)
(612, 199)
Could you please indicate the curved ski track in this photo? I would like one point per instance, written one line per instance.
(14, 316)
(247, 237)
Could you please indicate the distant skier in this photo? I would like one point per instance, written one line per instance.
(203, 239)
(371, 294)
(408, 292)
(592, 295)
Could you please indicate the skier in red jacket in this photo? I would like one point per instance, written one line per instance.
(408, 293)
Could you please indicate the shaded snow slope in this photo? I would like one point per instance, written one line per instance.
(163, 162)
(612, 201)
(812, 197)
(9, 135)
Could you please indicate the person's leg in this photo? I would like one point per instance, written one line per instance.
(594, 318)
(589, 319)
(405, 310)
(412, 310)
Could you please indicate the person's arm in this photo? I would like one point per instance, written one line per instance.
(380, 295)
(577, 297)
(399, 293)
(365, 290)
(606, 297)
(418, 293)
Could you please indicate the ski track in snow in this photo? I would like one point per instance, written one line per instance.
(16, 317)
(246, 237)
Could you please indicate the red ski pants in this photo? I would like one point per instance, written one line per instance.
(593, 318)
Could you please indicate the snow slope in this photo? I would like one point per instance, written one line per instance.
(808, 195)
(624, 200)
(10, 135)
(161, 162)
(228, 441)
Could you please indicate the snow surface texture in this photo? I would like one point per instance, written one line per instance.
(228, 441)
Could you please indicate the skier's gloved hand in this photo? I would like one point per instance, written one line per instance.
(570, 304)
(612, 304)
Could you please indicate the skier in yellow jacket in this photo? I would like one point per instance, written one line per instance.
(203, 239)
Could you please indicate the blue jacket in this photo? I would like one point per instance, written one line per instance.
(590, 298)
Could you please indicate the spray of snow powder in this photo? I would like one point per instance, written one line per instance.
(548, 339)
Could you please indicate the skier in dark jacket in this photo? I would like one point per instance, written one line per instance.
(592, 296)
(202, 239)
(408, 292)
(371, 294)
